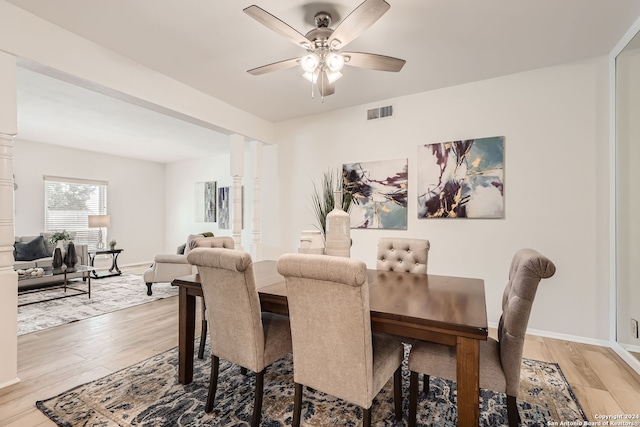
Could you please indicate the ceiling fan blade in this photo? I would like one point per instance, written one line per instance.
(324, 87)
(276, 66)
(361, 18)
(372, 61)
(275, 24)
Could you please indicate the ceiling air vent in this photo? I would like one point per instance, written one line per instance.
(380, 113)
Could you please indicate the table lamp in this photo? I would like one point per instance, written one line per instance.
(99, 221)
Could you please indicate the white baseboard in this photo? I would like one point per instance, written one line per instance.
(564, 337)
(627, 357)
(620, 351)
(631, 347)
(8, 383)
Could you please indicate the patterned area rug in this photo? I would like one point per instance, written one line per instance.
(107, 294)
(148, 394)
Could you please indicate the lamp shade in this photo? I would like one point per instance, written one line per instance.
(99, 221)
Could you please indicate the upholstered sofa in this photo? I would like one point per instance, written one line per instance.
(167, 267)
(30, 252)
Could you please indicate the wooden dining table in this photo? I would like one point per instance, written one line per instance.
(443, 309)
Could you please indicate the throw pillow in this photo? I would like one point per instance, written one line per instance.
(191, 238)
(47, 243)
(34, 249)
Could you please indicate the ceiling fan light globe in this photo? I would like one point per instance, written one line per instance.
(332, 76)
(310, 62)
(335, 61)
(312, 77)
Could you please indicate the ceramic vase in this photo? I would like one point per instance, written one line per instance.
(338, 233)
(71, 257)
(311, 242)
(56, 263)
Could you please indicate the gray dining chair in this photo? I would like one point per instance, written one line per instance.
(500, 360)
(334, 350)
(239, 332)
(402, 254)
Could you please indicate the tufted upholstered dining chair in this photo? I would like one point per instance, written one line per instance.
(224, 242)
(500, 360)
(399, 254)
(239, 332)
(334, 350)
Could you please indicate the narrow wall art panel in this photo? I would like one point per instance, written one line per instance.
(205, 203)
(461, 179)
(379, 191)
(223, 208)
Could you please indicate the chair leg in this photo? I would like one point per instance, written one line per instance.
(366, 417)
(397, 392)
(213, 383)
(425, 383)
(512, 411)
(413, 398)
(297, 405)
(149, 292)
(203, 332)
(257, 405)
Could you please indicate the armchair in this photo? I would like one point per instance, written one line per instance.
(167, 267)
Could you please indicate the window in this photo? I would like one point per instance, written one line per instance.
(68, 202)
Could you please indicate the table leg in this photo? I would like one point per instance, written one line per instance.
(468, 378)
(114, 263)
(92, 259)
(186, 335)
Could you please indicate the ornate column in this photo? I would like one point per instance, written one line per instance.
(237, 171)
(8, 277)
(256, 236)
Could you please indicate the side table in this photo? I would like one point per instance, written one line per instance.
(114, 270)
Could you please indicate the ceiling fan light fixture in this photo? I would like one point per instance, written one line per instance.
(312, 76)
(310, 62)
(334, 61)
(332, 76)
(335, 43)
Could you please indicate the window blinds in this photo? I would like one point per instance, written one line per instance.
(68, 202)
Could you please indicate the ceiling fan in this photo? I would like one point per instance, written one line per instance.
(324, 60)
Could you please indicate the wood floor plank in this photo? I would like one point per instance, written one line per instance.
(595, 401)
(573, 363)
(617, 380)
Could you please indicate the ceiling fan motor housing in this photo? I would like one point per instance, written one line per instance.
(322, 19)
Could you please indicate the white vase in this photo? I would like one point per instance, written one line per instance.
(311, 242)
(338, 233)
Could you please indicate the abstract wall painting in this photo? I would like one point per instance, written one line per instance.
(205, 202)
(379, 191)
(223, 208)
(461, 179)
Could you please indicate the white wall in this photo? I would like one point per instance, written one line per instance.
(180, 180)
(135, 195)
(556, 183)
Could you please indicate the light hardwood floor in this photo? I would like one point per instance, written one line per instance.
(57, 359)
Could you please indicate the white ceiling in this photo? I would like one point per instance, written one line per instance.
(210, 45)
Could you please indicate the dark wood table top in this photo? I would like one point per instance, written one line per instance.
(444, 304)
